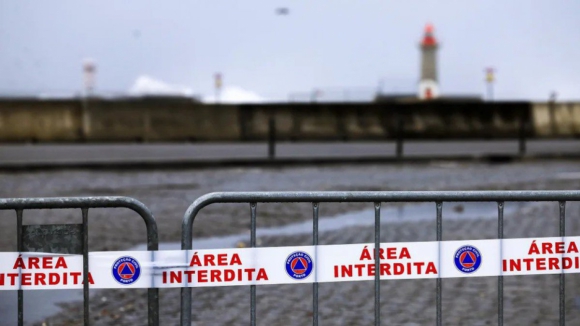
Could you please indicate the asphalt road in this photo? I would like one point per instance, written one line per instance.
(158, 154)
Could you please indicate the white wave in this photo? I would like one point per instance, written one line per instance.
(235, 95)
(146, 85)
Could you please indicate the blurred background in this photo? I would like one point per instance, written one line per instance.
(269, 50)
(167, 101)
(210, 78)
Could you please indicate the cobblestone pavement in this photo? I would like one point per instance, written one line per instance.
(529, 300)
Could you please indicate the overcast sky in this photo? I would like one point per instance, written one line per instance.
(534, 45)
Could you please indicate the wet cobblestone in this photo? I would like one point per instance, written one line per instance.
(529, 300)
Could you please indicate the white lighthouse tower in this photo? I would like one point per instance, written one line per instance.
(428, 85)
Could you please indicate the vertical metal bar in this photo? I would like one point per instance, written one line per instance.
(400, 135)
(145, 128)
(19, 245)
(439, 206)
(500, 278)
(315, 243)
(552, 116)
(253, 244)
(522, 134)
(153, 293)
(85, 212)
(377, 264)
(85, 117)
(153, 306)
(271, 138)
(562, 275)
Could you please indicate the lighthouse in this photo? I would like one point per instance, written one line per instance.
(428, 85)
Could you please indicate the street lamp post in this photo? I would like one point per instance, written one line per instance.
(89, 69)
(218, 87)
(489, 78)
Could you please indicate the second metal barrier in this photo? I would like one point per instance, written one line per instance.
(376, 198)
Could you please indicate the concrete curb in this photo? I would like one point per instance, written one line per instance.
(279, 162)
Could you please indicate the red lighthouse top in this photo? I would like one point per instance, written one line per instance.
(428, 38)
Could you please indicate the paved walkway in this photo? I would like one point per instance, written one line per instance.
(107, 155)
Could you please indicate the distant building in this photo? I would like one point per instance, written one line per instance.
(429, 81)
(428, 84)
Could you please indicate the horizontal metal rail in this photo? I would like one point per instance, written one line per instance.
(84, 203)
(376, 197)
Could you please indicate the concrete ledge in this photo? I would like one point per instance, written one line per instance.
(282, 162)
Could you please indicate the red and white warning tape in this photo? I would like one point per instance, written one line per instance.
(290, 265)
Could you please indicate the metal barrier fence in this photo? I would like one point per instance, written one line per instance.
(436, 197)
(77, 242)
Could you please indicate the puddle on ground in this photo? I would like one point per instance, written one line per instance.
(38, 304)
(405, 213)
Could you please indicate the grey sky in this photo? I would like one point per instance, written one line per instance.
(534, 45)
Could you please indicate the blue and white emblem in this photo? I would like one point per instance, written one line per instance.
(126, 270)
(467, 259)
(299, 265)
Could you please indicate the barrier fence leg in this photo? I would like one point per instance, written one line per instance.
(500, 278)
(253, 244)
(185, 306)
(562, 275)
(85, 212)
(153, 307)
(19, 244)
(315, 243)
(439, 290)
(377, 264)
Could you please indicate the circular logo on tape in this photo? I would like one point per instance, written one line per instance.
(299, 265)
(467, 259)
(126, 270)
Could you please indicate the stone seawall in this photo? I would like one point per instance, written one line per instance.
(177, 120)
